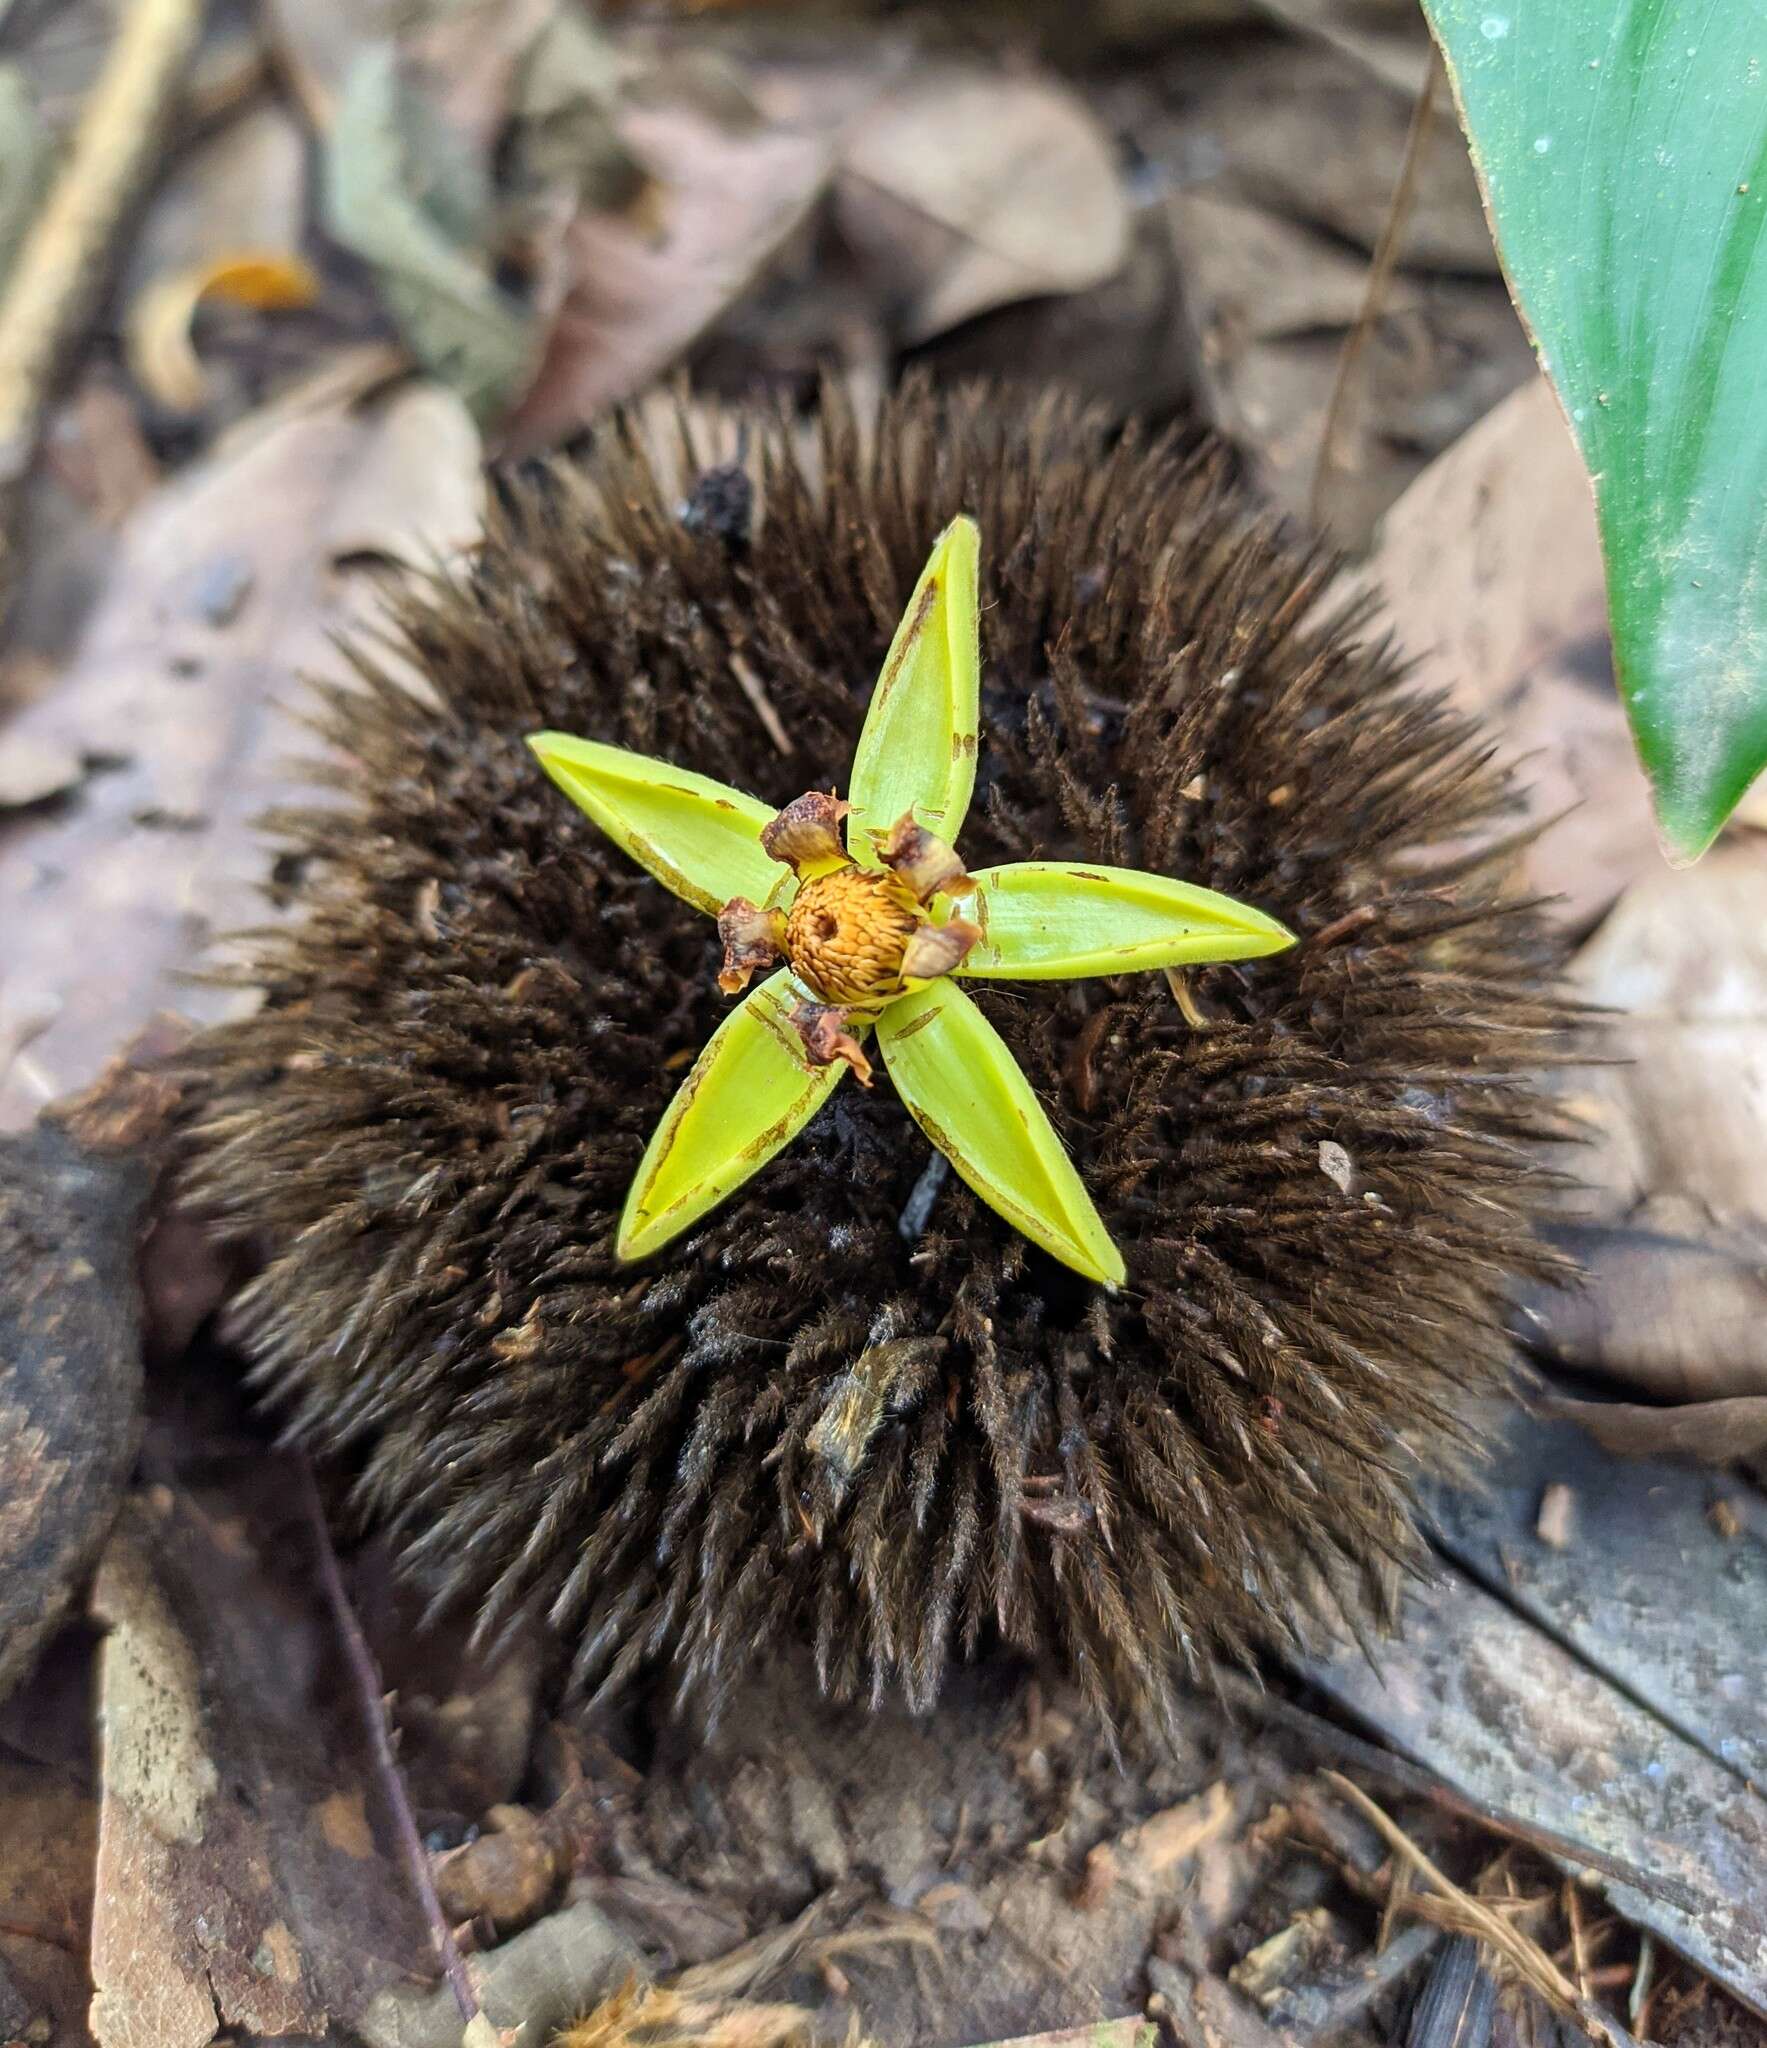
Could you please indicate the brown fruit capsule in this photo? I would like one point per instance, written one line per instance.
(431, 1128)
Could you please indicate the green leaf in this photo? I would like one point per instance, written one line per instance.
(748, 1095)
(967, 1092)
(698, 838)
(1055, 920)
(918, 749)
(1623, 149)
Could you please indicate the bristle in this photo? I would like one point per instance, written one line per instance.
(798, 1418)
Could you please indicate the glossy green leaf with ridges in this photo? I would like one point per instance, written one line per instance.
(917, 751)
(1622, 145)
(747, 1096)
(1057, 920)
(698, 837)
(968, 1094)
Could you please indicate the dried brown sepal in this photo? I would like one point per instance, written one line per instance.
(937, 948)
(823, 1028)
(753, 939)
(927, 863)
(806, 834)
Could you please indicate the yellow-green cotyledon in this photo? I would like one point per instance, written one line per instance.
(864, 913)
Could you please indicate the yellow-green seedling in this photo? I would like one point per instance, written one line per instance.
(865, 915)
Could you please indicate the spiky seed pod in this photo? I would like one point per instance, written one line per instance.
(904, 1441)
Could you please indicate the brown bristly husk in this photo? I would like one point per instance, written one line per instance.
(794, 1418)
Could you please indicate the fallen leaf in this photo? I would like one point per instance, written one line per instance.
(1489, 569)
(414, 200)
(962, 189)
(630, 300)
(1121, 345)
(227, 586)
(1489, 572)
(1719, 1432)
(1669, 1216)
(226, 1894)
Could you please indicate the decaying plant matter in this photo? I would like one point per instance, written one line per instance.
(851, 1400)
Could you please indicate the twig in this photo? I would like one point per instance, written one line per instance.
(1526, 1957)
(61, 262)
(371, 1700)
(1380, 275)
(1408, 1778)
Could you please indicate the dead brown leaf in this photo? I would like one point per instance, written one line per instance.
(1713, 1432)
(632, 293)
(1317, 138)
(962, 189)
(1670, 1217)
(1489, 570)
(226, 589)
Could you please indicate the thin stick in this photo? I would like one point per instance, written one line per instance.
(1528, 1958)
(1380, 275)
(61, 262)
(1579, 1947)
(372, 1701)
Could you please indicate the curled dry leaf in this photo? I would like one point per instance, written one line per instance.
(632, 293)
(241, 186)
(1671, 1215)
(1489, 570)
(1720, 1432)
(455, 158)
(227, 588)
(962, 190)
(162, 351)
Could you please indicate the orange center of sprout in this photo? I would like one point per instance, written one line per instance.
(846, 933)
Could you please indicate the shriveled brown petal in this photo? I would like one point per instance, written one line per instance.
(927, 863)
(823, 1029)
(753, 939)
(936, 948)
(806, 834)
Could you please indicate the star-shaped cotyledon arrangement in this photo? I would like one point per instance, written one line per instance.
(872, 930)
